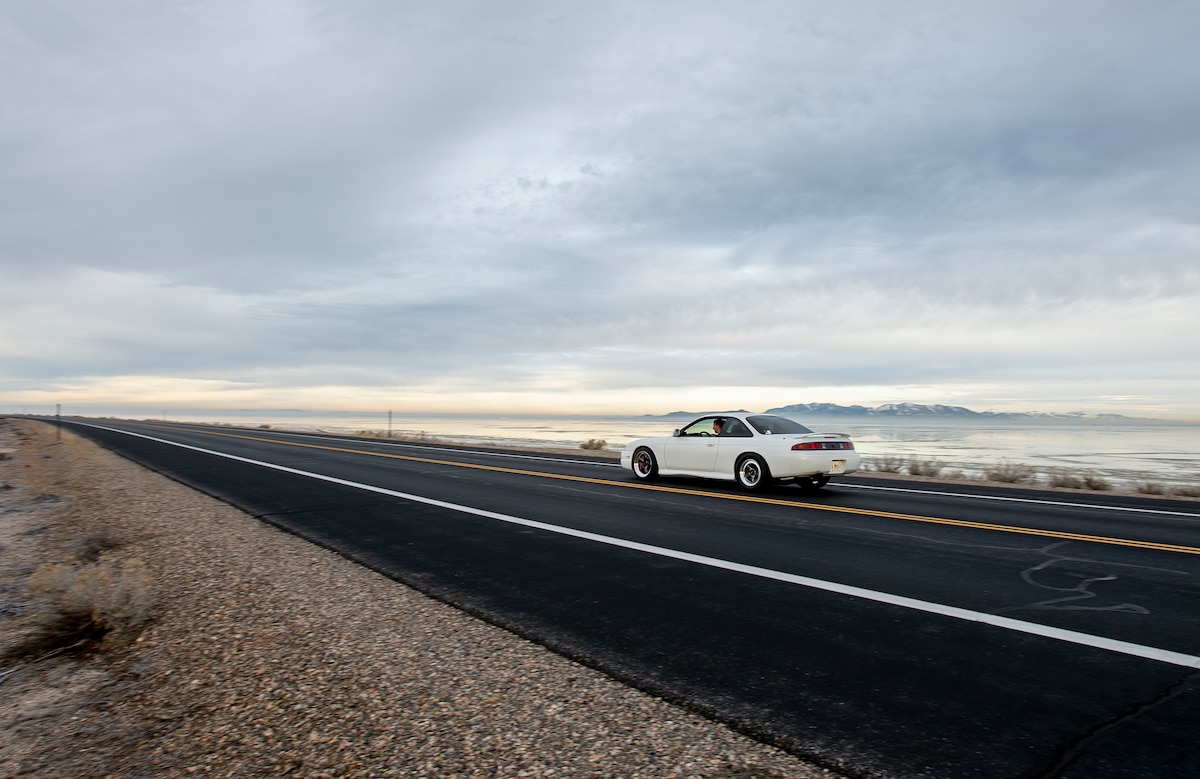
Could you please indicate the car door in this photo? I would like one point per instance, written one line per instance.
(694, 449)
(732, 443)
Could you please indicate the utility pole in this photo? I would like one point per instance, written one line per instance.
(389, 423)
(58, 418)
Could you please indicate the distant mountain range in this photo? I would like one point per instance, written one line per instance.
(910, 410)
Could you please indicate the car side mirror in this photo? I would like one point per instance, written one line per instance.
(676, 433)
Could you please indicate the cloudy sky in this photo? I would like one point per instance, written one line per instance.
(610, 207)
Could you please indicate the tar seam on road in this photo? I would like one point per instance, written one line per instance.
(1073, 748)
(1069, 636)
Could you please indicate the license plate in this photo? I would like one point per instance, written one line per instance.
(839, 466)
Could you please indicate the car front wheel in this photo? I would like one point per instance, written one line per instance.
(645, 467)
(752, 473)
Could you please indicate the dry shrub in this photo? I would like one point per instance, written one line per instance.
(925, 467)
(1011, 473)
(1068, 480)
(103, 597)
(888, 463)
(1097, 483)
(1186, 490)
(420, 437)
(594, 443)
(1151, 488)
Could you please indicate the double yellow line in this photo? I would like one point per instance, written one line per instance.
(1029, 531)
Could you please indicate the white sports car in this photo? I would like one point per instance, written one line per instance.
(751, 449)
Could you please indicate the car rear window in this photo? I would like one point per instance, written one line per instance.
(769, 425)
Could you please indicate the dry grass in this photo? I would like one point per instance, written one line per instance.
(925, 467)
(1075, 481)
(1007, 472)
(420, 437)
(1070, 481)
(90, 600)
(593, 444)
(888, 463)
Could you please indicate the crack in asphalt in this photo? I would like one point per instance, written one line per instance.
(1075, 747)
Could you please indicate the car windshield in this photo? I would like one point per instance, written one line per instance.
(768, 425)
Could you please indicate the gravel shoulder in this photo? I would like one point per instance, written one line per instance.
(265, 655)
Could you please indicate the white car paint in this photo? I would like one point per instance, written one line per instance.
(789, 451)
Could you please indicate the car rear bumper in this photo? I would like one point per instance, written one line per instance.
(798, 464)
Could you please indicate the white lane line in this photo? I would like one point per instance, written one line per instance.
(1038, 501)
(1070, 636)
(482, 453)
(431, 448)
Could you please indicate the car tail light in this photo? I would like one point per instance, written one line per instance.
(822, 445)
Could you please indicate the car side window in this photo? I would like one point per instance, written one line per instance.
(699, 427)
(736, 429)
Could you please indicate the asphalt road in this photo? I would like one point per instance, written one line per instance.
(890, 630)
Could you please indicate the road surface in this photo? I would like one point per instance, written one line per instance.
(882, 629)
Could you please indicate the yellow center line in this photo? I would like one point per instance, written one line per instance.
(1029, 531)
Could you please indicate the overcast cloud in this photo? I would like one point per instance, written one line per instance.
(618, 207)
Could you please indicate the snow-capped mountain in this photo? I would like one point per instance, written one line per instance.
(922, 410)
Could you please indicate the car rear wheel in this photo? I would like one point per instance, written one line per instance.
(752, 473)
(645, 467)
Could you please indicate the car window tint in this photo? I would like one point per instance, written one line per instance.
(734, 428)
(772, 425)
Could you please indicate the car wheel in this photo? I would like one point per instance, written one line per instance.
(645, 467)
(812, 483)
(752, 473)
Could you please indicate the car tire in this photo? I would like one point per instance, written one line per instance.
(645, 466)
(751, 473)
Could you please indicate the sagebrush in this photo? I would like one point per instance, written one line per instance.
(925, 467)
(1011, 473)
(1068, 480)
(101, 597)
(888, 463)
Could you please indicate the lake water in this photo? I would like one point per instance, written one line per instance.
(1121, 451)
